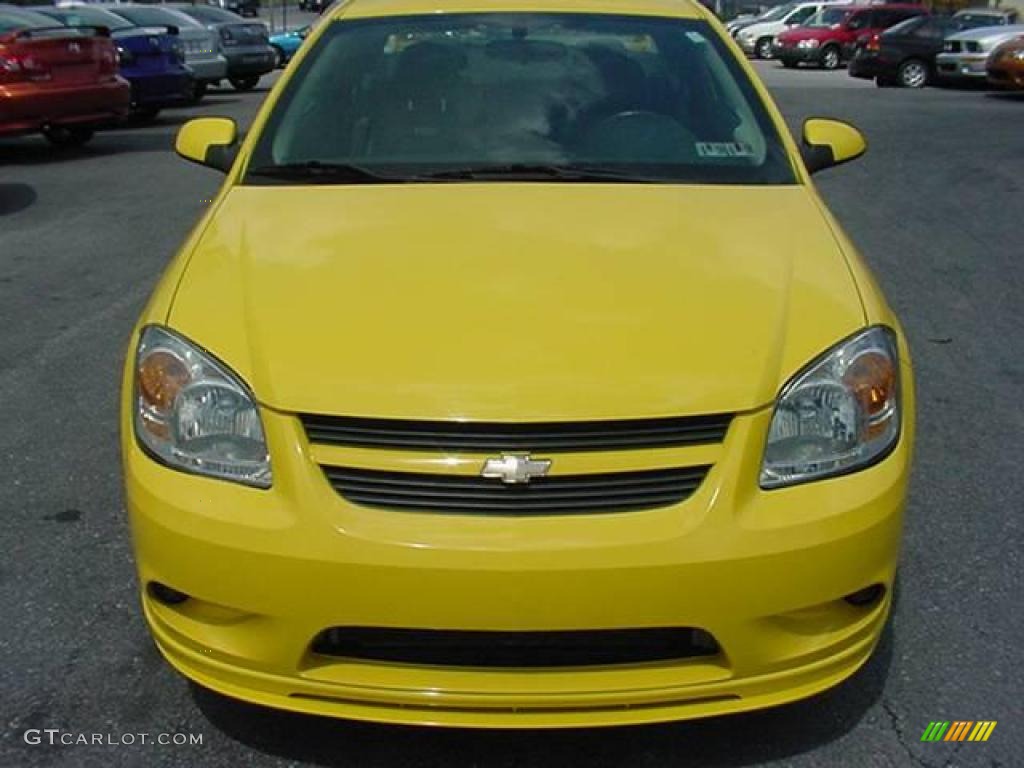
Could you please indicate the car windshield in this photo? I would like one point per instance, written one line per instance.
(148, 17)
(777, 12)
(84, 17)
(210, 15)
(903, 27)
(828, 18)
(975, 20)
(493, 96)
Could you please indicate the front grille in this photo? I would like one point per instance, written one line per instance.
(483, 437)
(578, 648)
(953, 46)
(569, 494)
(973, 47)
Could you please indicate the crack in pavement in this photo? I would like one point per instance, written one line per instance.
(897, 729)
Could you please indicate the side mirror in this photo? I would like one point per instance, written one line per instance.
(208, 141)
(827, 143)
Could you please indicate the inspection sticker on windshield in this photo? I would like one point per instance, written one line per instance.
(724, 149)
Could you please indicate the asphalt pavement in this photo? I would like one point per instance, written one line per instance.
(935, 207)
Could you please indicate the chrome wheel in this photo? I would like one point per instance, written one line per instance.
(764, 48)
(830, 57)
(913, 74)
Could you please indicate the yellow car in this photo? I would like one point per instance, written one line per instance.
(517, 376)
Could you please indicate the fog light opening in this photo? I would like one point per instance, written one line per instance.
(166, 595)
(867, 596)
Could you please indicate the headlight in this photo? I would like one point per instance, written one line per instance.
(808, 44)
(839, 414)
(194, 414)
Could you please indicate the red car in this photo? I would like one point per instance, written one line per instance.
(830, 37)
(60, 81)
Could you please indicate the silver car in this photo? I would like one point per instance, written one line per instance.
(965, 53)
(245, 44)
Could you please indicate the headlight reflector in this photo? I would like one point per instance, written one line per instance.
(840, 414)
(194, 414)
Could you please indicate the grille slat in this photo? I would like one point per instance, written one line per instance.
(619, 491)
(482, 649)
(478, 437)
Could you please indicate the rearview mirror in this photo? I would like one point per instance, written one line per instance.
(208, 141)
(827, 143)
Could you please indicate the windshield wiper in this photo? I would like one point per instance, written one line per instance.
(536, 172)
(317, 172)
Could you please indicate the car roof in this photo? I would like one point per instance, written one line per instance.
(684, 9)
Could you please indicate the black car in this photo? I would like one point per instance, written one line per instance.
(904, 55)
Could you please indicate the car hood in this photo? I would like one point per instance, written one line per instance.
(763, 28)
(811, 33)
(524, 302)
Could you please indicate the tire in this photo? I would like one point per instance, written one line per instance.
(763, 49)
(244, 83)
(279, 58)
(67, 136)
(196, 91)
(912, 73)
(831, 58)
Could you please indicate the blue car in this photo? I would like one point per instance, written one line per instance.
(152, 59)
(285, 44)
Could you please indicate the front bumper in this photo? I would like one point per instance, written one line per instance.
(962, 67)
(765, 573)
(29, 107)
(747, 44)
(1008, 75)
(792, 54)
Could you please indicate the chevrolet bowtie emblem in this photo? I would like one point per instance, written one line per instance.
(513, 469)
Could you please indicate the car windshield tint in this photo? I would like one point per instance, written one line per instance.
(493, 96)
(830, 17)
(148, 17)
(84, 17)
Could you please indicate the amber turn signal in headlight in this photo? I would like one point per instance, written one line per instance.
(838, 415)
(192, 413)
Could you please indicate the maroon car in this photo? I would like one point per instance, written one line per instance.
(830, 37)
(60, 81)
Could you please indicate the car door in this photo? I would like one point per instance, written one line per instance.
(925, 42)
